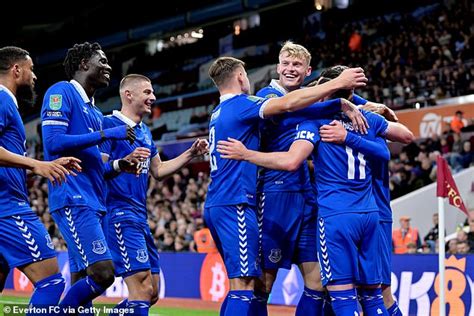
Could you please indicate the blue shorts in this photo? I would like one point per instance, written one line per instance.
(234, 229)
(132, 247)
(288, 226)
(349, 248)
(24, 240)
(81, 228)
(386, 251)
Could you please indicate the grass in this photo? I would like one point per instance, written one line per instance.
(8, 303)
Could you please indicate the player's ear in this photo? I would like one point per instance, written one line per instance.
(84, 64)
(308, 71)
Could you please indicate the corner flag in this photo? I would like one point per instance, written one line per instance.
(446, 187)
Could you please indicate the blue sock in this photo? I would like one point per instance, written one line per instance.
(238, 303)
(372, 302)
(139, 307)
(48, 291)
(394, 310)
(311, 303)
(344, 302)
(224, 305)
(81, 293)
(258, 306)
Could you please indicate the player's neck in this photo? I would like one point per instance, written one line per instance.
(131, 115)
(9, 84)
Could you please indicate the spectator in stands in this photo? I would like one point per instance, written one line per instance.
(404, 235)
(411, 248)
(432, 235)
(451, 246)
(458, 122)
(462, 247)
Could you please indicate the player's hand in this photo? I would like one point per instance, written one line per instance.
(333, 133)
(232, 149)
(51, 170)
(70, 163)
(199, 147)
(381, 109)
(132, 162)
(359, 122)
(352, 78)
(120, 132)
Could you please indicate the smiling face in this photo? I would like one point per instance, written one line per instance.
(292, 71)
(142, 97)
(98, 69)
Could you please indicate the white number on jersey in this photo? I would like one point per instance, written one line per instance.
(212, 146)
(351, 164)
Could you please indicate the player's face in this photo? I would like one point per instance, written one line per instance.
(143, 97)
(292, 71)
(99, 70)
(25, 93)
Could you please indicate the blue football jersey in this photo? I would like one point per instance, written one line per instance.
(276, 135)
(234, 182)
(343, 176)
(67, 104)
(13, 191)
(126, 197)
(381, 188)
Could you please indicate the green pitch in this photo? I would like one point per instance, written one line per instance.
(9, 303)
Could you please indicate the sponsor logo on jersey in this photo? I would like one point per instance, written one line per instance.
(305, 135)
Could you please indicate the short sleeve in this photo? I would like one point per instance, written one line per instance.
(307, 130)
(153, 149)
(251, 108)
(268, 92)
(378, 123)
(56, 109)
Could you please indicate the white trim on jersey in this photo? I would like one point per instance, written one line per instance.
(53, 122)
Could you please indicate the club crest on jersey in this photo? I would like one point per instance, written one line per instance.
(49, 242)
(55, 101)
(142, 255)
(275, 255)
(98, 246)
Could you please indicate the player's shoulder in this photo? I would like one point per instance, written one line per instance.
(371, 116)
(269, 92)
(65, 86)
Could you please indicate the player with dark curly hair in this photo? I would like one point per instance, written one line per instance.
(72, 124)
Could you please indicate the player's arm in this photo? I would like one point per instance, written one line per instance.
(162, 169)
(327, 109)
(289, 160)
(55, 171)
(336, 133)
(301, 98)
(57, 140)
(397, 132)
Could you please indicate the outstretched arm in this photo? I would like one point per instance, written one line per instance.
(349, 79)
(289, 160)
(162, 169)
(57, 140)
(55, 171)
(397, 132)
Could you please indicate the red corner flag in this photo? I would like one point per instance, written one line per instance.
(446, 187)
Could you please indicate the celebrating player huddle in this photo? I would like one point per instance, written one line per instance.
(262, 208)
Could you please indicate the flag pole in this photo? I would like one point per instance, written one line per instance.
(441, 256)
